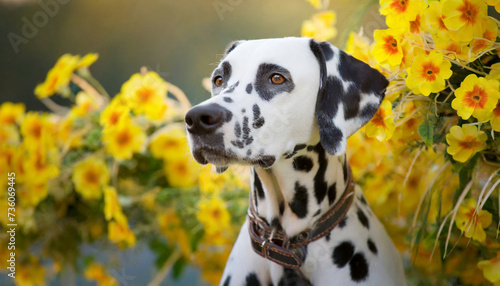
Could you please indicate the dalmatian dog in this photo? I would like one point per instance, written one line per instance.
(286, 107)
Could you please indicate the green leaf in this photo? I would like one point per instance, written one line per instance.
(195, 240)
(179, 267)
(426, 131)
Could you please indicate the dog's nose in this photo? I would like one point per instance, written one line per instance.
(205, 119)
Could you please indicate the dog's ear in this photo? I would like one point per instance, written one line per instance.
(232, 46)
(350, 93)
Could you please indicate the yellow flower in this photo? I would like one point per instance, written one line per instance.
(491, 269)
(435, 20)
(96, 272)
(121, 234)
(214, 215)
(452, 49)
(146, 94)
(381, 126)
(358, 47)
(37, 131)
(494, 72)
(123, 140)
(400, 12)
(31, 194)
(465, 141)
(9, 134)
(495, 3)
(321, 26)
(477, 97)
(31, 273)
(58, 77)
(172, 229)
(465, 17)
(488, 39)
(41, 165)
(84, 104)
(387, 46)
(472, 223)
(182, 172)
(428, 73)
(495, 121)
(90, 176)
(316, 3)
(116, 111)
(87, 60)
(11, 113)
(112, 207)
(169, 143)
(68, 135)
(213, 183)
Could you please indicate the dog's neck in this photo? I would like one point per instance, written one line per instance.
(300, 187)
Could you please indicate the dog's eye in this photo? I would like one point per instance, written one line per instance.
(276, 78)
(218, 81)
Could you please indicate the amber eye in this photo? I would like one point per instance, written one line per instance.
(218, 81)
(277, 78)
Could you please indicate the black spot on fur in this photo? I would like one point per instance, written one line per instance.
(320, 186)
(343, 253)
(297, 148)
(358, 267)
(249, 88)
(302, 164)
(372, 246)
(292, 278)
(249, 152)
(327, 236)
(300, 201)
(237, 129)
(368, 111)
(238, 143)
(362, 218)
(282, 207)
(232, 87)
(246, 129)
(317, 213)
(226, 69)
(343, 222)
(227, 99)
(258, 186)
(227, 281)
(275, 223)
(363, 200)
(332, 193)
(310, 148)
(265, 88)
(231, 47)
(362, 75)
(331, 136)
(258, 120)
(252, 280)
(327, 50)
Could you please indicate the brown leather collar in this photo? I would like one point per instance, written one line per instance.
(276, 246)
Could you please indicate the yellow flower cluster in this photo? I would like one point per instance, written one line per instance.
(441, 108)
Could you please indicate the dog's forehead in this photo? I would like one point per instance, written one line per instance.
(290, 53)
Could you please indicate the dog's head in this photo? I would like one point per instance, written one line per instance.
(271, 95)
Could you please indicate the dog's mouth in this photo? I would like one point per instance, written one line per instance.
(222, 158)
(215, 156)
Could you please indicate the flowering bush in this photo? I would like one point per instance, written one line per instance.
(116, 170)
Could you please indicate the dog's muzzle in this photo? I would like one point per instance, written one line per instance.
(205, 119)
(207, 144)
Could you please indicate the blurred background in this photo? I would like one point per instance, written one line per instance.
(181, 40)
